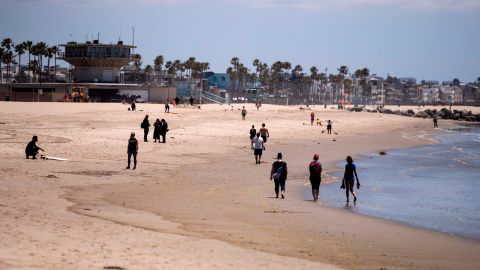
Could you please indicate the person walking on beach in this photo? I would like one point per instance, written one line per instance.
(32, 149)
(258, 148)
(253, 132)
(312, 118)
(329, 127)
(349, 179)
(258, 104)
(264, 133)
(146, 128)
(167, 107)
(132, 150)
(191, 101)
(134, 107)
(244, 113)
(177, 101)
(435, 121)
(157, 126)
(315, 169)
(163, 130)
(279, 174)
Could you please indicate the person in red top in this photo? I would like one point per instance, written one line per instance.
(315, 169)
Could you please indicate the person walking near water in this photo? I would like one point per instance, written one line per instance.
(146, 128)
(349, 179)
(132, 150)
(163, 130)
(157, 126)
(435, 121)
(253, 132)
(134, 107)
(279, 174)
(258, 148)
(315, 169)
(244, 113)
(32, 149)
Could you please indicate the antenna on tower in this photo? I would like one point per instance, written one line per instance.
(133, 39)
(98, 36)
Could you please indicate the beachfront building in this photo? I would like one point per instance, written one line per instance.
(95, 62)
(219, 80)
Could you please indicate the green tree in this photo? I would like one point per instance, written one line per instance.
(20, 49)
(8, 44)
(158, 63)
(148, 72)
(49, 54)
(456, 82)
(8, 59)
(56, 51)
(190, 65)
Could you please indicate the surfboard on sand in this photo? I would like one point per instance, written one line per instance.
(53, 158)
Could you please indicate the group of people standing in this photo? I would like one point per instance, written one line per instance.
(160, 129)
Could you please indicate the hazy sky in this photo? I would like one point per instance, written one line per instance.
(438, 40)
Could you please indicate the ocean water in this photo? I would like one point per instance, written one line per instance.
(434, 187)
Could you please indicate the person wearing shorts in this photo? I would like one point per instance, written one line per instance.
(264, 133)
(258, 148)
(349, 179)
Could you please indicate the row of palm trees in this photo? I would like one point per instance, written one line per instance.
(9, 51)
(280, 76)
(176, 69)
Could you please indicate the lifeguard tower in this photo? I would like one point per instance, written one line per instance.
(95, 62)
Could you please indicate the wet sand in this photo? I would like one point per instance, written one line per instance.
(199, 201)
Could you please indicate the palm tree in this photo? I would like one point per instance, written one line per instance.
(158, 63)
(28, 46)
(2, 53)
(7, 43)
(56, 51)
(39, 50)
(257, 65)
(148, 72)
(20, 49)
(8, 58)
(137, 63)
(49, 54)
(190, 65)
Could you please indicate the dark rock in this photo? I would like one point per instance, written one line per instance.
(382, 153)
(456, 116)
(470, 118)
(422, 114)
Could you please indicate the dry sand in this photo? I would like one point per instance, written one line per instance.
(199, 201)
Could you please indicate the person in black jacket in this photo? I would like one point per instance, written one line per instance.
(156, 131)
(132, 150)
(164, 130)
(279, 174)
(253, 132)
(32, 148)
(146, 128)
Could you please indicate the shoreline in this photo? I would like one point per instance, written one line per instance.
(222, 197)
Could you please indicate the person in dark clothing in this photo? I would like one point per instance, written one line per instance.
(329, 127)
(132, 150)
(435, 122)
(167, 107)
(315, 169)
(134, 107)
(164, 130)
(146, 128)
(157, 126)
(279, 174)
(349, 179)
(32, 148)
(177, 100)
(253, 132)
(191, 101)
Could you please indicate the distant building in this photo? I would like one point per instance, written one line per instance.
(219, 80)
(95, 62)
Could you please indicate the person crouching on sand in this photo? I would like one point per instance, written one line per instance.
(315, 169)
(349, 179)
(32, 149)
(279, 174)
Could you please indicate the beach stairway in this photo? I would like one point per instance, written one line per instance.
(208, 97)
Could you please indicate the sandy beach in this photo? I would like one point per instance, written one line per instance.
(200, 201)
